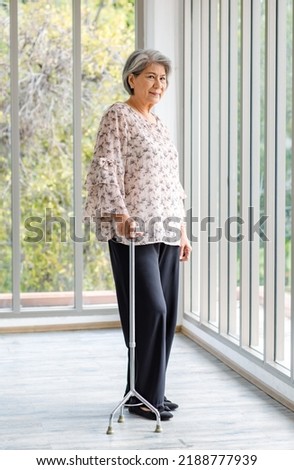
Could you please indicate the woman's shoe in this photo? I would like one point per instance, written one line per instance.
(172, 406)
(148, 414)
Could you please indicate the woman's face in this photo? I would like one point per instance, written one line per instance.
(150, 85)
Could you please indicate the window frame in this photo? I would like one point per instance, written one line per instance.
(26, 317)
(238, 353)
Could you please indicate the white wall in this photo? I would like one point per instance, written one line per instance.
(163, 30)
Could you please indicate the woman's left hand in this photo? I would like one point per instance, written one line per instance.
(185, 246)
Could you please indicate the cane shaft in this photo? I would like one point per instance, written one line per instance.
(132, 343)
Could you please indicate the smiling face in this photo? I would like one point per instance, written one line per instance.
(150, 85)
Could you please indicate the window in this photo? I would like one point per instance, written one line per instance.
(240, 175)
(61, 68)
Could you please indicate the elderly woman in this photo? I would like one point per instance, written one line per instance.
(134, 177)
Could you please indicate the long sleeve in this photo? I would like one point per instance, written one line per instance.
(105, 179)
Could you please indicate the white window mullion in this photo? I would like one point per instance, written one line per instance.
(255, 171)
(270, 187)
(204, 271)
(196, 150)
(281, 179)
(190, 269)
(139, 24)
(213, 161)
(77, 138)
(15, 156)
(224, 167)
(245, 171)
(233, 165)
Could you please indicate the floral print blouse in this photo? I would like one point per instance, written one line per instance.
(135, 171)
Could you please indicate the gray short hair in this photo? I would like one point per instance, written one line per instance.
(139, 60)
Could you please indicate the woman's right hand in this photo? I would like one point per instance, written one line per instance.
(120, 224)
(126, 227)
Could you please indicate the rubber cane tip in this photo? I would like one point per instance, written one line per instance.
(158, 428)
(109, 430)
(121, 419)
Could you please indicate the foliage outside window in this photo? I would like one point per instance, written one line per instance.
(46, 132)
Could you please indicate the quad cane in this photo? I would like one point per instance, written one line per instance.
(132, 347)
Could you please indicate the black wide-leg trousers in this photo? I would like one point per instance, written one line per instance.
(156, 303)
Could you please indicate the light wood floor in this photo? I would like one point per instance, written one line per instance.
(58, 389)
